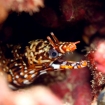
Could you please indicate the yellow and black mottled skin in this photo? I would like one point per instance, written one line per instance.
(23, 64)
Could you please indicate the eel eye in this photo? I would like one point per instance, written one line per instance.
(53, 53)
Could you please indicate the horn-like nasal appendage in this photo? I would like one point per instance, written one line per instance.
(76, 42)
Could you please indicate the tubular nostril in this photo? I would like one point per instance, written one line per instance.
(76, 42)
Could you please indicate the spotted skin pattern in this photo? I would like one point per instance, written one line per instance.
(25, 64)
